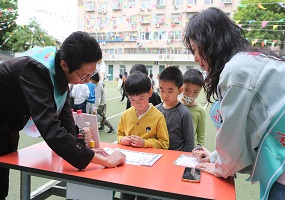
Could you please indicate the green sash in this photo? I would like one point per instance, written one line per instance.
(45, 56)
(270, 159)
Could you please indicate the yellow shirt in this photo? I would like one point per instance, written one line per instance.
(151, 127)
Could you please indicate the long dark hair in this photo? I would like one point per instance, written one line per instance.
(218, 40)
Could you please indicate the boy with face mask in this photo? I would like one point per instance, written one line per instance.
(193, 82)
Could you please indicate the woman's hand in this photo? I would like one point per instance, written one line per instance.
(101, 151)
(206, 167)
(202, 154)
(113, 160)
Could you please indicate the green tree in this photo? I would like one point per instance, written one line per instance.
(8, 15)
(29, 36)
(251, 15)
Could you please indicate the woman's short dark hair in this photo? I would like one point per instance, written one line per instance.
(137, 83)
(79, 48)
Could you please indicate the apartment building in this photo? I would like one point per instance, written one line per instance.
(144, 31)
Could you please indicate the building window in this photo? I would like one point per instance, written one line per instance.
(160, 18)
(226, 1)
(175, 18)
(145, 4)
(131, 3)
(189, 67)
(160, 3)
(90, 6)
(122, 69)
(159, 35)
(117, 5)
(191, 2)
(208, 1)
(131, 36)
(145, 19)
(175, 35)
(177, 2)
(103, 7)
(131, 51)
(190, 14)
(149, 69)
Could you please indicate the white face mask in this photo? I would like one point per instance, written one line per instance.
(188, 99)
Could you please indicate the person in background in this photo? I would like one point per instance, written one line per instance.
(123, 87)
(193, 82)
(90, 102)
(178, 118)
(101, 68)
(152, 81)
(80, 93)
(142, 125)
(100, 107)
(120, 83)
(248, 83)
(155, 98)
(36, 86)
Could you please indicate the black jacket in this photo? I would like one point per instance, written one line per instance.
(27, 91)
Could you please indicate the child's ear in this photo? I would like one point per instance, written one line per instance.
(180, 90)
(150, 92)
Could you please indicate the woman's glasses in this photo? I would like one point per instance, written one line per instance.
(83, 79)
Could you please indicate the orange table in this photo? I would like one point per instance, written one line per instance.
(162, 180)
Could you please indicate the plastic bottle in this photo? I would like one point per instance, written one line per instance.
(79, 121)
(88, 134)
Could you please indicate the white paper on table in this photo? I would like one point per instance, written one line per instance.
(186, 160)
(137, 157)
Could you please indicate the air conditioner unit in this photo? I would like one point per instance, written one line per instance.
(160, 56)
(176, 7)
(104, 43)
(167, 56)
(104, 11)
(139, 44)
(168, 41)
(114, 26)
(142, 9)
(101, 26)
(113, 56)
(99, 11)
(156, 25)
(149, 8)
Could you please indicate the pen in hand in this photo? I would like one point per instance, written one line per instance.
(199, 147)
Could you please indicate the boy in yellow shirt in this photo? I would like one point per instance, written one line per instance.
(142, 125)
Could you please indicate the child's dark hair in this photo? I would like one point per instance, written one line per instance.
(121, 76)
(137, 83)
(193, 76)
(172, 74)
(95, 77)
(139, 67)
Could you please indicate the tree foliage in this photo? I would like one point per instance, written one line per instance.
(20, 38)
(250, 16)
(29, 36)
(8, 15)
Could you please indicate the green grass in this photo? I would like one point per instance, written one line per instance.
(244, 190)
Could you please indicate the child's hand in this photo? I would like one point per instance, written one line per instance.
(137, 141)
(127, 141)
(94, 112)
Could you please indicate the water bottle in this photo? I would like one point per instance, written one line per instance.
(88, 134)
(79, 121)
